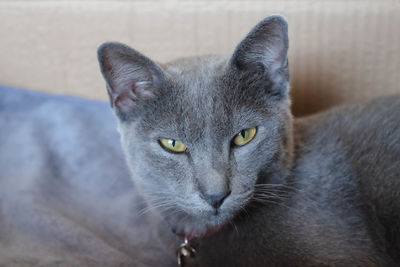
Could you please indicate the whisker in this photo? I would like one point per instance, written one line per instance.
(156, 205)
(234, 225)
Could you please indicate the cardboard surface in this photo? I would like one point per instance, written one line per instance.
(339, 50)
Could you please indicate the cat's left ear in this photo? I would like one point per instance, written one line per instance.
(263, 55)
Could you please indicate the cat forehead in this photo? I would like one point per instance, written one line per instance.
(197, 116)
(195, 76)
(192, 89)
(196, 97)
(192, 101)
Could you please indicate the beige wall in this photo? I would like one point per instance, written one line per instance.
(339, 50)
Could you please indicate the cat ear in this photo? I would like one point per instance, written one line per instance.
(263, 54)
(130, 77)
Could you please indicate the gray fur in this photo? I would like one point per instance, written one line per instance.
(317, 191)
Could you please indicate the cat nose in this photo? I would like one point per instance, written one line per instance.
(216, 200)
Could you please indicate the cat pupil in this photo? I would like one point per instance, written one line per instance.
(173, 142)
(243, 133)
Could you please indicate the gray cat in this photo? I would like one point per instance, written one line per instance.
(211, 146)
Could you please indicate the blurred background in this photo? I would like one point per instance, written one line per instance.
(340, 50)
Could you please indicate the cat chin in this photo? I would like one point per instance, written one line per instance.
(209, 230)
(194, 227)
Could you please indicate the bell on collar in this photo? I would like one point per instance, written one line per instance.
(185, 253)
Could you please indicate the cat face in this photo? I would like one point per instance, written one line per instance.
(199, 133)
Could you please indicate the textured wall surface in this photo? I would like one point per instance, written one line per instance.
(339, 50)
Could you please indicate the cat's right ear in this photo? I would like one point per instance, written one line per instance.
(262, 56)
(131, 78)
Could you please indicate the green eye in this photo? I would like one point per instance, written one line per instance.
(172, 145)
(244, 136)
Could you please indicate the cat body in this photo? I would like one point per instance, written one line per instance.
(316, 191)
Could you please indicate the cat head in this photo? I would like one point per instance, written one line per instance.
(199, 133)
